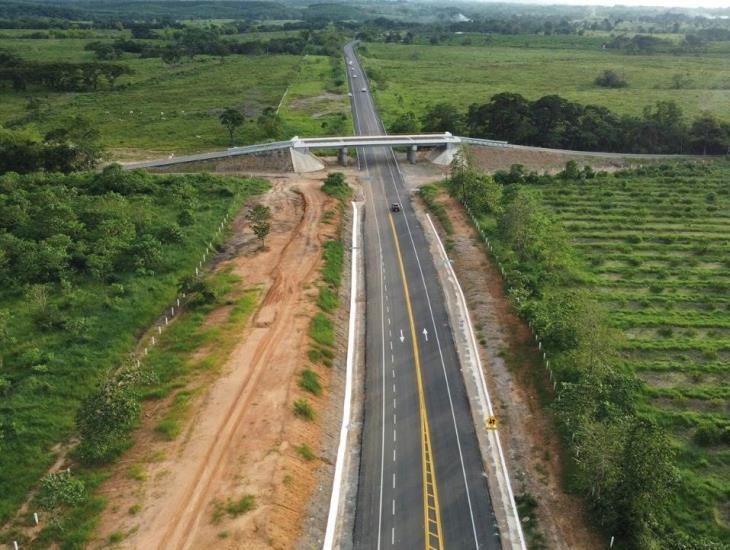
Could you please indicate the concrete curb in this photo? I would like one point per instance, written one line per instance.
(500, 487)
(337, 500)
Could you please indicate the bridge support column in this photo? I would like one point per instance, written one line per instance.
(342, 156)
(411, 154)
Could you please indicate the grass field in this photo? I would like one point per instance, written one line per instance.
(410, 77)
(163, 109)
(657, 254)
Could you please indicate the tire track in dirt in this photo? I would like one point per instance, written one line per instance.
(209, 458)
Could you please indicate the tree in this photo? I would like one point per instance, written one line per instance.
(231, 119)
(610, 79)
(258, 218)
(442, 117)
(648, 474)
(270, 124)
(406, 123)
(5, 338)
(708, 136)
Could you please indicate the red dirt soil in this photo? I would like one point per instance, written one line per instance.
(241, 435)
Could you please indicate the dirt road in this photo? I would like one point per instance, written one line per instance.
(242, 436)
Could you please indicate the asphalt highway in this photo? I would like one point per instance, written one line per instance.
(421, 482)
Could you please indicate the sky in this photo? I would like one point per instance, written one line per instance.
(667, 3)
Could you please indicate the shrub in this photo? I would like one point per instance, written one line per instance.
(303, 409)
(333, 254)
(709, 435)
(321, 330)
(327, 299)
(60, 488)
(610, 79)
(336, 186)
(104, 420)
(309, 381)
(305, 452)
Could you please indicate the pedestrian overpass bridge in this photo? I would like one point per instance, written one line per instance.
(303, 160)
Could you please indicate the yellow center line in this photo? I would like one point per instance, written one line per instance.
(430, 489)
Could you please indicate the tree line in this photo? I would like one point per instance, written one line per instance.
(622, 461)
(58, 76)
(190, 42)
(554, 122)
(74, 146)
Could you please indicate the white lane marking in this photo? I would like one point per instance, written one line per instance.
(392, 535)
(390, 333)
(395, 420)
(480, 372)
(393, 512)
(393, 480)
(441, 355)
(394, 403)
(394, 436)
(393, 372)
(393, 454)
(391, 344)
(393, 388)
(388, 321)
(382, 331)
(392, 358)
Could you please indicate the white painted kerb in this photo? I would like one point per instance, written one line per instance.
(336, 498)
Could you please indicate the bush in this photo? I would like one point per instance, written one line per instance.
(305, 452)
(710, 435)
(336, 186)
(60, 488)
(303, 409)
(610, 79)
(321, 330)
(327, 299)
(309, 381)
(104, 420)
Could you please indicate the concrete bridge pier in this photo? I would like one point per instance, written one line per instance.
(411, 154)
(342, 156)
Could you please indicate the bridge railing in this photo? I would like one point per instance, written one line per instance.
(393, 140)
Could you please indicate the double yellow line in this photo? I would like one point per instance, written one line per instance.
(431, 510)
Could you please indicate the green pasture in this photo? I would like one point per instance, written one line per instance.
(410, 77)
(161, 109)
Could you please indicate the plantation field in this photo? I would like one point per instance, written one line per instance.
(657, 254)
(163, 109)
(410, 77)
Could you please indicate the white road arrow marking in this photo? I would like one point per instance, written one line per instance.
(425, 334)
(402, 338)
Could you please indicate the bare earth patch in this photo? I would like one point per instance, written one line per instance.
(240, 436)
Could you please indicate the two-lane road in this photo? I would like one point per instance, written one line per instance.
(421, 482)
